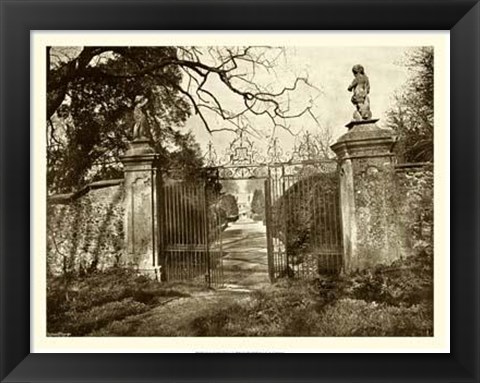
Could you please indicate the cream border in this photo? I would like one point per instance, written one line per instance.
(440, 343)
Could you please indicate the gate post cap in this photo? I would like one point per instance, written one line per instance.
(139, 147)
(364, 138)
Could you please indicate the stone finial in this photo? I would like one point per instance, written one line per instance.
(360, 87)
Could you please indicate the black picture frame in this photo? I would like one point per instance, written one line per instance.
(18, 18)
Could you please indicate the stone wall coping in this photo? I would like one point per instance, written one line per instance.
(144, 157)
(69, 197)
(413, 166)
(361, 156)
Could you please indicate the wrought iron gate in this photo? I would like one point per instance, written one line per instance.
(304, 231)
(191, 233)
(302, 203)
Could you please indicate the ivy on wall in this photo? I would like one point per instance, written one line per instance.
(86, 234)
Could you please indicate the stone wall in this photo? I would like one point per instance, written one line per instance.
(413, 195)
(394, 211)
(85, 230)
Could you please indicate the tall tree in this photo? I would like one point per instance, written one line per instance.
(229, 204)
(90, 129)
(90, 94)
(258, 203)
(411, 117)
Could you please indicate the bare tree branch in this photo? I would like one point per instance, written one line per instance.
(230, 65)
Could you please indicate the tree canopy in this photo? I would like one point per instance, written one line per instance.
(412, 115)
(91, 93)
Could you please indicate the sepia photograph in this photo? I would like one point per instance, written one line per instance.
(240, 190)
(256, 191)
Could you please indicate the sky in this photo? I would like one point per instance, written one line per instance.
(328, 69)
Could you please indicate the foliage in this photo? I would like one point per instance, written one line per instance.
(413, 202)
(91, 93)
(393, 300)
(323, 140)
(195, 209)
(306, 205)
(276, 311)
(186, 213)
(91, 128)
(78, 306)
(258, 205)
(405, 282)
(412, 115)
(228, 203)
(324, 307)
(87, 233)
(349, 317)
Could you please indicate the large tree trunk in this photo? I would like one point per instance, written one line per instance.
(59, 78)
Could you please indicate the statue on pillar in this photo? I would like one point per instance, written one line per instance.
(140, 127)
(360, 87)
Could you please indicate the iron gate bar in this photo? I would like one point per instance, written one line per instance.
(188, 233)
(293, 192)
(206, 235)
(287, 203)
(268, 221)
(307, 192)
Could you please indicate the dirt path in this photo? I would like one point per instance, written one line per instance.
(245, 270)
(177, 316)
(245, 260)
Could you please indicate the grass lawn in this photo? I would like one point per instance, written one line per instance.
(389, 301)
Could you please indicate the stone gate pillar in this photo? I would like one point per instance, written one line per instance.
(366, 186)
(142, 208)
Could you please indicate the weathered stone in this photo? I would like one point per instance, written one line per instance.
(139, 148)
(142, 186)
(360, 87)
(413, 196)
(366, 183)
(366, 125)
(85, 229)
(140, 127)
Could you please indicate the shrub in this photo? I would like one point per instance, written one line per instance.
(82, 323)
(83, 304)
(406, 282)
(228, 203)
(287, 309)
(327, 306)
(349, 317)
(258, 205)
(309, 203)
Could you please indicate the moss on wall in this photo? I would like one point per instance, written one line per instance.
(414, 194)
(393, 210)
(372, 178)
(85, 232)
